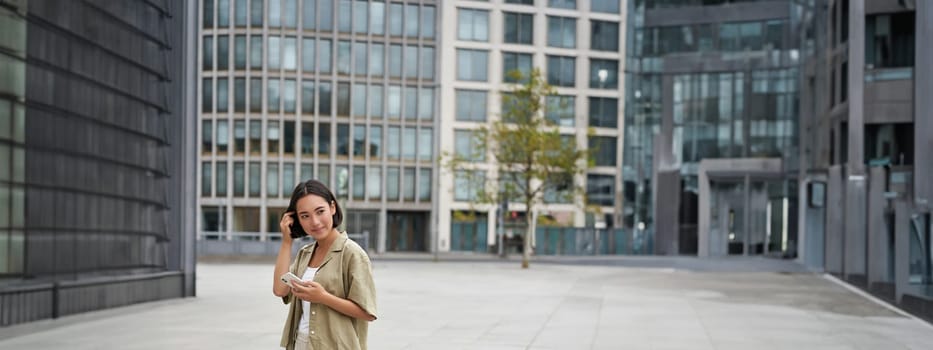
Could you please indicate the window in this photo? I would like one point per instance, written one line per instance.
(377, 60)
(375, 101)
(343, 15)
(324, 50)
(223, 137)
(221, 179)
(272, 95)
(394, 142)
(424, 185)
(239, 95)
(604, 112)
(377, 17)
(604, 150)
(426, 103)
(306, 172)
(255, 13)
(604, 36)
(560, 110)
(466, 146)
(288, 179)
(427, 20)
(323, 174)
(411, 103)
(359, 100)
(561, 71)
(326, 19)
(392, 183)
(472, 64)
(471, 105)
(563, 4)
(519, 28)
(206, 178)
(374, 183)
(307, 137)
(272, 137)
(323, 139)
(343, 140)
(223, 13)
(255, 179)
(255, 51)
(425, 144)
(207, 53)
(274, 55)
(561, 32)
(343, 99)
(290, 13)
(411, 56)
(521, 2)
(606, 6)
(288, 137)
(562, 189)
(255, 94)
(600, 189)
(395, 101)
(473, 25)
(239, 179)
(342, 179)
(324, 98)
(375, 141)
(289, 95)
(272, 180)
(395, 61)
(208, 14)
(239, 52)
(290, 53)
(604, 74)
(395, 19)
(408, 190)
(409, 143)
(309, 16)
(359, 182)
(255, 136)
(411, 20)
(467, 183)
(360, 16)
(516, 63)
(223, 102)
(223, 52)
(359, 140)
(207, 95)
(889, 40)
(239, 136)
(360, 64)
(343, 57)
(275, 13)
(307, 55)
(427, 63)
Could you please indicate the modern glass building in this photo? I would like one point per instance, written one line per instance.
(867, 118)
(577, 46)
(340, 91)
(96, 164)
(710, 149)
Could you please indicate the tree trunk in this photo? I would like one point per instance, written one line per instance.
(529, 233)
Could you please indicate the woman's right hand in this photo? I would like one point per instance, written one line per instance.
(285, 225)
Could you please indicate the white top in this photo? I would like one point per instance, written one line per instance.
(304, 325)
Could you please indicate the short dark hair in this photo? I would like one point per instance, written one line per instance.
(316, 188)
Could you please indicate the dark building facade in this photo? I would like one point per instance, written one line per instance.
(866, 136)
(710, 152)
(96, 155)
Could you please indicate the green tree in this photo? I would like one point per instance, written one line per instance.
(527, 151)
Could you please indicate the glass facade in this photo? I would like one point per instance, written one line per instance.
(304, 100)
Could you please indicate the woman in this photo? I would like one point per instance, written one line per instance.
(330, 308)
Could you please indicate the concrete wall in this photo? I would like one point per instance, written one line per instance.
(835, 193)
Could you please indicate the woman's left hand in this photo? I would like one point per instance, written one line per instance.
(310, 291)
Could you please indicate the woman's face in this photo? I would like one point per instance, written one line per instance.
(316, 216)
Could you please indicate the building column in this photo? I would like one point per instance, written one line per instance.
(854, 221)
(923, 104)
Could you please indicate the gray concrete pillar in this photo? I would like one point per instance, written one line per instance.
(834, 223)
(878, 246)
(855, 227)
(856, 88)
(901, 249)
(923, 112)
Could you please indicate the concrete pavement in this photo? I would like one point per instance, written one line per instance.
(496, 305)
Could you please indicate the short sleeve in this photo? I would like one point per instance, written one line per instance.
(362, 289)
(287, 299)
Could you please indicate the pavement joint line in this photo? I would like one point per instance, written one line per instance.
(875, 299)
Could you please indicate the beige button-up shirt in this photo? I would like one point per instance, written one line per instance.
(346, 273)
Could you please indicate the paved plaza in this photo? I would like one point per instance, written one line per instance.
(617, 303)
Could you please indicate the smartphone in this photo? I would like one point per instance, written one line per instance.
(288, 277)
